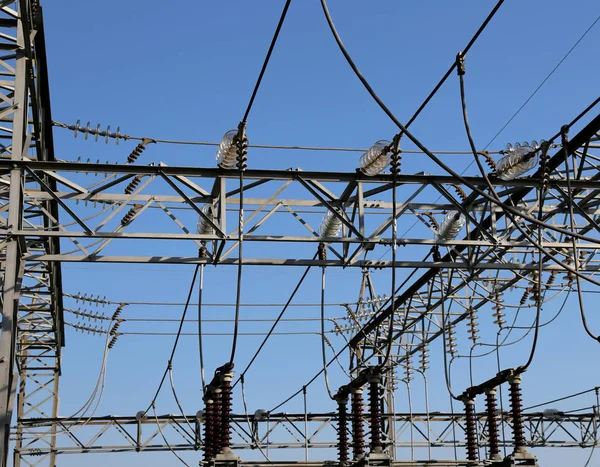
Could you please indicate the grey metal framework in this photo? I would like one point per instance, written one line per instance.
(300, 432)
(100, 206)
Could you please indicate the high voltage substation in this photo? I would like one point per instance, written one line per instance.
(522, 232)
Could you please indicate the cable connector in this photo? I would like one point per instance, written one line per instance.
(460, 63)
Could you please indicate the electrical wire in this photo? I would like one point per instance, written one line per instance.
(560, 399)
(279, 317)
(574, 243)
(403, 130)
(200, 343)
(323, 354)
(267, 58)
(164, 437)
(461, 72)
(271, 146)
(176, 342)
(535, 91)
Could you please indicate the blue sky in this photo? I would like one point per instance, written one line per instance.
(185, 70)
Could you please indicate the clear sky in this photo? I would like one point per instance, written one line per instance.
(185, 70)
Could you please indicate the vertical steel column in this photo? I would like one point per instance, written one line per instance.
(10, 292)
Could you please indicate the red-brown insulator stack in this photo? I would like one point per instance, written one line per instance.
(342, 429)
(375, 416)
(358, 435)
(470, 429)
(139, 149)
(492, 423)
(217, 418)
(516, 407)
(127, 218)
(133, 184)
(225, 429)
(208, 429)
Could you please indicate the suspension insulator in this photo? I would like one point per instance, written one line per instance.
(133, 184)
(375, 415)
(492, 424)
(470, 429)
(342, 429)
(127, 218)
(473, 325)
(516, 407)
(358, 435)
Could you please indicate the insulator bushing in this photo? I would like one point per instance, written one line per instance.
(342, 430)
(516, 407)
(208, 429)
(375, 414)
(470, 429)
(225, 428)
(492, 424)
(358, 434)
(217, 419)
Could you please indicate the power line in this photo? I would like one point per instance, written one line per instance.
(535, 91)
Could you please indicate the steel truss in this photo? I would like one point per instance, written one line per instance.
(31, 288)
(100, 217)
(296, 431)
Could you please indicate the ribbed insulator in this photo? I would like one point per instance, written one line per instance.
(516, 407)
(470, 429)
(451, 226)
(424, 356)
(473, 325)
(408, 368)
(498, 307)
(127, 218)
(137, 152)
(358, 434)
(203, 227)
(525, 296)
(342, 430)
(225, 413)
(376, 159)
(451, 340)
(331, 225)
(518, 160)
(227, 152)
(492, 424)
(133, 184)
(375, 415)
(551, 279)
(208, 430)
(217, 418)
